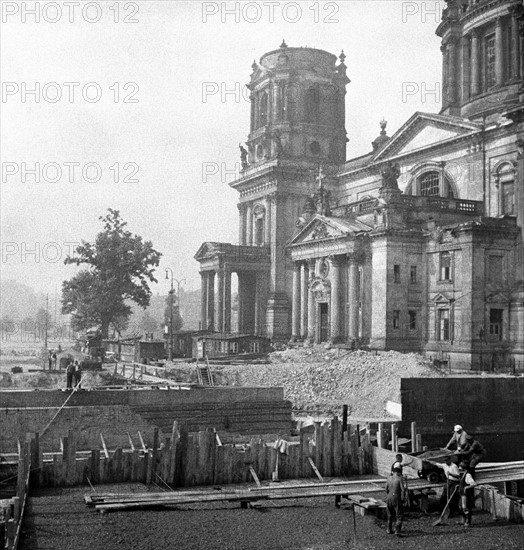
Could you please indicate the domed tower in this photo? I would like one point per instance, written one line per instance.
(297, 132)
(482, 66)
(297, 106)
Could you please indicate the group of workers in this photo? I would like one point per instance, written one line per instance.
(459, 470)
(73, 375)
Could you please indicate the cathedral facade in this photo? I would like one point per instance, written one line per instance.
(415, 246)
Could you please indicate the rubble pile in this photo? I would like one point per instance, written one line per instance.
(320, 381)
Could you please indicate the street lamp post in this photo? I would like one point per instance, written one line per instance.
(178, 282)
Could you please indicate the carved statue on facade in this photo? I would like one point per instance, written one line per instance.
(390, 175)
(277, 136)
(243, 156)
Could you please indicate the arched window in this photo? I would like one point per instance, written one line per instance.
(281, 101)
(259, 218)
(262, 110)
(312, 104)
(506, 182)
(431, 183)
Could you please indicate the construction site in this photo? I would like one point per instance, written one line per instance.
(290, 452)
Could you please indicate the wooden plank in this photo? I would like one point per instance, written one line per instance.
(144, 448)
(131, 441)
(104, 446)
(254, 475)
(315, 469)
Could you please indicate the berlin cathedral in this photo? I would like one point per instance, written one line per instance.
(416, 246)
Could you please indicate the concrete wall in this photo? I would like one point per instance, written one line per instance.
(490, 408)
(115, 412)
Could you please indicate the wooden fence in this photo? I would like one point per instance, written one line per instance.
(14, 512)
(198, 458)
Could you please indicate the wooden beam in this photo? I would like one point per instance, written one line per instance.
(315, 469)
(130, 441)
(104, 446)
(255, 477)
(144, 448)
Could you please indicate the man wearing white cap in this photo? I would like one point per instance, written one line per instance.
(459, 437)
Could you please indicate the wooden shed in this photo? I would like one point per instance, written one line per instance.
(219, 344)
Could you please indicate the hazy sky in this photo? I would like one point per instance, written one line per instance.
(132, 98)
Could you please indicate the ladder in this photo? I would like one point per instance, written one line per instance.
(205, 376)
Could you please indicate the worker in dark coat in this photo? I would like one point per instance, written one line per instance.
(473, 453)
(467, 493)
(70, 372)
(395, 501)
(77, 375)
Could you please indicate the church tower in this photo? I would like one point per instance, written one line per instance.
(297, 129)
(482, 61)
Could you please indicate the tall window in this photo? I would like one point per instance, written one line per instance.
(495, 323)
(443, 327)
(506, 181)
(430, 184)
(489, 61)
(413, 274)
(312, 104)
(263, 110)
(396, 318)
(281, 101)
(396, 273)
(412, 320)
(445, 266)
(259, 231)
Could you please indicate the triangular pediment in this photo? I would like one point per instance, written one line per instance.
(207, 250)
(441, 298)
(321, 228)
(423, 130)
(497, 298)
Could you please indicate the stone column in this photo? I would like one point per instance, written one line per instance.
(249, 224)
(210, 317)
(267, 223)
(499, 53)
(241, 224)
(220, 300)
(295, 306)
(475, 63)
(452, 72)
(515, 49)
(444, 49)
(241, 301)
(227, 300)
(311, 305)
(466, 68)
(303, 300)
(335, 299)
(203, 299)
(353, 298)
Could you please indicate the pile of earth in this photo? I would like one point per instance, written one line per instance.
(320, 381)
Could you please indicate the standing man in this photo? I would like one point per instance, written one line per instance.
(77, 375)
(466, 489)
(70, 371)
(452, 473)
(395, 494)
(459, 438)
(50, 359)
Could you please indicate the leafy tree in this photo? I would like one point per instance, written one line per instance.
(119, 267)
(148, 323)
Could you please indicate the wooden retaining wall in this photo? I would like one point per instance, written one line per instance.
(197, 458)
(500, 505)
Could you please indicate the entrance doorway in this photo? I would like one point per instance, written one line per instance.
(324, 322)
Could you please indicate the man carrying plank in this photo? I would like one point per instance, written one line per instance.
(395, 501)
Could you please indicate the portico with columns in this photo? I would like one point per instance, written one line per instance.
(328, 256)
(218, 262)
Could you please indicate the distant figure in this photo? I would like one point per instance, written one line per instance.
(77, 375)
(395, 501)
(50, 359)
(54, 359)
(70, 371)
(459, 438)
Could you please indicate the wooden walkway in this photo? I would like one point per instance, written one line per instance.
(244, 493)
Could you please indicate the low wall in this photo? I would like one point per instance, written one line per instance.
(115, 412)
(491, 408)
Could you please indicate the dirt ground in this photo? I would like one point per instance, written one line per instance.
(57, 519)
